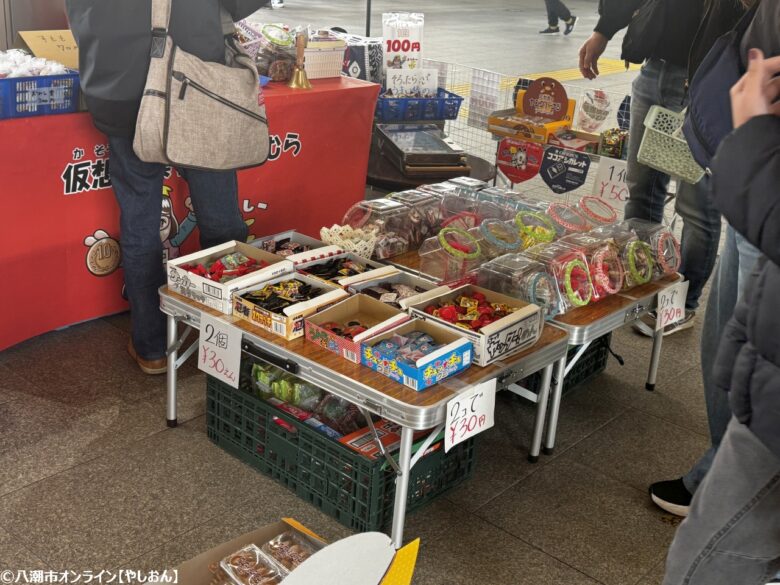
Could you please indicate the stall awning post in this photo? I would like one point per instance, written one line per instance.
(368, 18)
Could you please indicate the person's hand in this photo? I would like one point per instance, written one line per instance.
(590, 53)
(757, 92)
(188, 204)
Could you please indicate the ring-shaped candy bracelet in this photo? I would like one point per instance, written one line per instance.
(548, 235)
(454, 252)
(550, 306)
(668, 267)
(601, 273)
(573, 295)
(585, 207)
(632, 251)
(492, 239)
(555, 211)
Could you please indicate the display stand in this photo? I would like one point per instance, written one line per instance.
(369, 390)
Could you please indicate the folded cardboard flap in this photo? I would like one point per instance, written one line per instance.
(55, 45)
(369, 312)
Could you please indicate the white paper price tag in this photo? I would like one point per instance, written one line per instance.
(610, 182)
(470, 413)
(219, 349)
(671, 304)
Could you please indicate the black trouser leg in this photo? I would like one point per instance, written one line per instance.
(556, 10)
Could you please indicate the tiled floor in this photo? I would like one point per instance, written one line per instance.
(91, 478)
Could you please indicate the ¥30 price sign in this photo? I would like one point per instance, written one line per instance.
(671, 304)
(470, 413)
(219, 349)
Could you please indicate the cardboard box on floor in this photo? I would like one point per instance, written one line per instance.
(55, 45)
(398, 565)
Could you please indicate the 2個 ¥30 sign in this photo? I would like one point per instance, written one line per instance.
(219, 349)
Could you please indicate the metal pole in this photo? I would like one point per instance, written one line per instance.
(171, 374)
(368, 18)
(541, 414)
(655, 359)
(402, 487)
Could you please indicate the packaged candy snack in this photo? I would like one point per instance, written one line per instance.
(424, 214)
(472, 312)
(340, 415)
(663, 245)
(406, 348)
(636, 255)
(226, 268)
(249, 566)
(289, 550)
(497, 238)
(276, 297)
(603, 257)
(535, 228)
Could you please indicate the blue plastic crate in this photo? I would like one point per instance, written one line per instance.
(21, 97)
(443, 107)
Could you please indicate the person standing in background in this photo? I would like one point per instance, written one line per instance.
(115, 40)
(665, 43)
(557, 11)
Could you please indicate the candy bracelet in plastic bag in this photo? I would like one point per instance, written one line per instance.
(567, 219)
(249, 566)
(450, 256)
(534, 228)
(521, 277)
(570, 269)
(459, 212)
(637, 258)
(424, 214)
(603, 257)
(390, 219)
(597, 211)
(496, 238)
(663, 245)
(288, 550)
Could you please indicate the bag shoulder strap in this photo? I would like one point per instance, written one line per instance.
(161, 19)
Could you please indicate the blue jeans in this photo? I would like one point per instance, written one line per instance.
(732, 533)
(663, 84)
(138, 189)
(737, 258)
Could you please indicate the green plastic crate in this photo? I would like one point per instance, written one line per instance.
(356, 491)
(590, 365)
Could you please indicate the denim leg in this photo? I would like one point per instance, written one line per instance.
(647, 187)
(724, 294)
(748, 256)
(700, 236)
(215, 201)
(138, 189)
(732, 534)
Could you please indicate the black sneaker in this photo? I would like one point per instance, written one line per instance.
(646, 325)
(550, 30)
(570, 24)
(672, 496)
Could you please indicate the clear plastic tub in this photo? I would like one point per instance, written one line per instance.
(597, 211)
(424, 214)
(467, 186)
(521, 277)
(391, 221)
(276, 53)
(636, 255)
(493, 210)
(459, 212)
(663, 244)
(496, 238)
(567, 219)
(535, 228)
(603, 256)
(570, 269)
(450, 256)
(440, 189)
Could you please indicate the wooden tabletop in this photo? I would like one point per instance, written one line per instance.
(429, 397)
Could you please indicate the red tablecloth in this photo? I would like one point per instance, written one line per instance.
(59, 221)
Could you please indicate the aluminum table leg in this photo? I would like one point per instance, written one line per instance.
(555, 405)
(541, 414)
(173, 351)
(402, 487)
(655, 359)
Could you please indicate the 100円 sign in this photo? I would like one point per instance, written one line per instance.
(470, 413)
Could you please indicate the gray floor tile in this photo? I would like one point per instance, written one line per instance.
(14, 557)
(638, 449)
(469, 550)
(598, 525)
(12, 387)
(656, 574)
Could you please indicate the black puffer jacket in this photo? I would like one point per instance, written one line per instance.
(746, 189)
(114, 38)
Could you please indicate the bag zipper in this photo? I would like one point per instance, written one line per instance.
(186, 82)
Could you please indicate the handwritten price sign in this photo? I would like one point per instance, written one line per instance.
(611, 181)
(219, 350)
(671, 304)
(470, 413)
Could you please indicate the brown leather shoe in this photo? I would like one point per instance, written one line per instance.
(151, 367)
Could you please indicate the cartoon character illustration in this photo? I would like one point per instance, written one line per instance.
(103, 255)
(519, 158)
(172, 233)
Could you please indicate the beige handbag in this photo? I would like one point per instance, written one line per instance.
(197, 114)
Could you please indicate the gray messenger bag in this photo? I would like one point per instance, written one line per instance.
(196, 114)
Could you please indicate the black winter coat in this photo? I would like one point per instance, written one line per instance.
(746, 189)
(114, 38)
